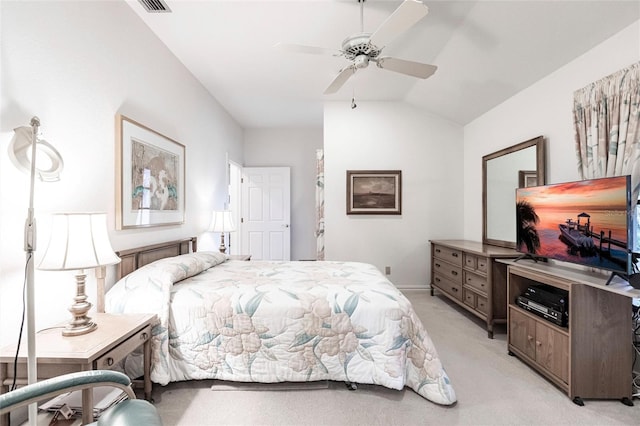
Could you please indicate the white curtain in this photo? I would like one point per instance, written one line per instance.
(320, 204)
(607, 126)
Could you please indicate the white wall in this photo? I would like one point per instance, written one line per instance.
(294, 148)
(393, 136)
(545, 108)
(76, 65)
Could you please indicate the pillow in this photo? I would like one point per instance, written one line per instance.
(187, 265)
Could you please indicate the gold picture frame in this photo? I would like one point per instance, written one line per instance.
(374, 192)
(150, 177)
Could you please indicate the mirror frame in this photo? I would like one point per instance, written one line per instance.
(537, 142)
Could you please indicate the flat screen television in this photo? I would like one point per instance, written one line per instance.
(588, 222)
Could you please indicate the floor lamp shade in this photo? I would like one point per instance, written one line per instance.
(78, 241)
(48, 167)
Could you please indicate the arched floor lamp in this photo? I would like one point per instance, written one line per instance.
(23, 150)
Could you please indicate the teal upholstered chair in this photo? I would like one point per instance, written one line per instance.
(132, 411)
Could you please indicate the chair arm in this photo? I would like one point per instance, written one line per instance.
(66, 383)
(132, 412)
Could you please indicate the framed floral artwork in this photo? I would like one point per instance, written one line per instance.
(150, 177)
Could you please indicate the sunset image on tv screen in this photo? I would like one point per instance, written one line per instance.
(584, 222)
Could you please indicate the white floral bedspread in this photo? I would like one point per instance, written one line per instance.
(262, 321)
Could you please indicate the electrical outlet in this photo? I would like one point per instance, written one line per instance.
(387, 270)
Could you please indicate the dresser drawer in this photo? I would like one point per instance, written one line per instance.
(447, 270)
(450, 287)
(470, 261)
(469, 298)
(112, 357)
(478, 282)
(450, 255)
(483, 264)
(476, 263)
(482, 304)
(475, 301)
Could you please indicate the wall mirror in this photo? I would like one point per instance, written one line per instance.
(503, 171)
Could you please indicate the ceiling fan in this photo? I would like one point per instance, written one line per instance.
(362, 48)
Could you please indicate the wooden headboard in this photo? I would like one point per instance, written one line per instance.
(135, 258)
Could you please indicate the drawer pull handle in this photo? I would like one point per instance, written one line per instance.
(437, 279)
(454, 289)
(438, 265)
(454, 273)
(109, 361)
(454, 254)
(143, 336)
(438, 251)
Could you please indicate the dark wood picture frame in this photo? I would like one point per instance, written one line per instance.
(374, 192)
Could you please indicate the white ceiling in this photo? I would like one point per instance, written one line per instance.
(485, 50)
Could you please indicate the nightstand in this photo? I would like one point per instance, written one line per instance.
(240, 257)
(115, 338)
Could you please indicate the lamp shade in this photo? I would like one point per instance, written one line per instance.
(221, 221)
(78, 241)
(48, 167)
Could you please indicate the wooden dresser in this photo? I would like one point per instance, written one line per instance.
(467, 273)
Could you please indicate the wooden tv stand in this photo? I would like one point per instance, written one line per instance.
(591, 357)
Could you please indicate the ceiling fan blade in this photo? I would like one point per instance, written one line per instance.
(415, 69)
(403, 18)
(340, 79)
(313, 50)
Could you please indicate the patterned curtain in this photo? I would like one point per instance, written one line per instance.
(320, 204)
(606, 118)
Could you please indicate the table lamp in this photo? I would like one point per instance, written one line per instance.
(221, 221)
(78, 241)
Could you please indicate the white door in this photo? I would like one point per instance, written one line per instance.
(265, 221)
(234, 203)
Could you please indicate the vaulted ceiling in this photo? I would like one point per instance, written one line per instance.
(486, 51)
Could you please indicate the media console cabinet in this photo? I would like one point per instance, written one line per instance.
(591, 357)
(467, 272)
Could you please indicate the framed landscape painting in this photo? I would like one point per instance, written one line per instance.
(527, 178)
(374, 192)
(150, 187)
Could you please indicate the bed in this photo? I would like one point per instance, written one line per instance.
(267, 321)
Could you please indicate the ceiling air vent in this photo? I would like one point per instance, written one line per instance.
(155, 6)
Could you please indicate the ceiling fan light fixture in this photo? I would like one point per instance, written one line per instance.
(361, 61)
